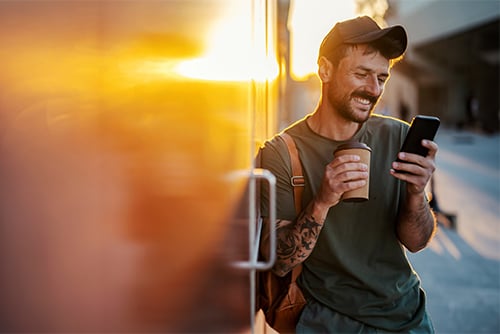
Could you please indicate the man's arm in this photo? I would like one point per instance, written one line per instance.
(416, 222)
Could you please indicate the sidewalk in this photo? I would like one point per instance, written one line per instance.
(460, 270)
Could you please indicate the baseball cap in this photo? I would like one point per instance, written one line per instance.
(364, 29)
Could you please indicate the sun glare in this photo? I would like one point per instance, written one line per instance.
(237, 50)
(240, 49)
(309, 22)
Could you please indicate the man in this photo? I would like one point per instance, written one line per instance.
(355, 276)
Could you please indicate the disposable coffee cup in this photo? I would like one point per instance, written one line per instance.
(364, 152)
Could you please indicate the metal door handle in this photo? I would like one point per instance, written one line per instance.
(253, 263)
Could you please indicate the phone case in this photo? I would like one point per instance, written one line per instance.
(422, 127)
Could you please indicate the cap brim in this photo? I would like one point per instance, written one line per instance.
(395, 33)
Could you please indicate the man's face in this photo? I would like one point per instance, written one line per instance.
(357, 83)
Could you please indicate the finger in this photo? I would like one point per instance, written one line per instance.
(411, 158)
(352, 176)
(416, 183)
(407, 158)
(406, 168)
(352, 185)
(339, 166)
(431, 146)
(340, 187)
(338, 160)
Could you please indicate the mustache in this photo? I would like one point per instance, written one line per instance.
(373, 99)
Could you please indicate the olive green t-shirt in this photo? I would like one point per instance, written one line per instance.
(358, 267)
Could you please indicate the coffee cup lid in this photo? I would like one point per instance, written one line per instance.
(353, 144)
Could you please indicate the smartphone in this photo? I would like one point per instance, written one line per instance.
(422, 127)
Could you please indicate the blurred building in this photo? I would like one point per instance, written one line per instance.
(451, 68)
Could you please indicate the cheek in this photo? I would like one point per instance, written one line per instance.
(344, 85)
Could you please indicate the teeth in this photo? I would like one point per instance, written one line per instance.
(362, 101)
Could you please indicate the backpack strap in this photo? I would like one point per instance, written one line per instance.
(298, 184)
(297, 179)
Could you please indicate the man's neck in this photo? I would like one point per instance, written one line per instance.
(330, 125)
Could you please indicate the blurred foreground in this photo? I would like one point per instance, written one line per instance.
(116, 213)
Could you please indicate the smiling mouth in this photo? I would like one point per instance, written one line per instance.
(362, 101)
(365, 100)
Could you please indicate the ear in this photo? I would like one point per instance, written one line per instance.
(325, 69)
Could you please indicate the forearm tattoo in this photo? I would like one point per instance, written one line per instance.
(296, 241)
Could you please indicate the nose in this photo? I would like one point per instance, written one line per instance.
(373, 86)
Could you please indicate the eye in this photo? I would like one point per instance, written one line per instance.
(361, 75)
(382, 80)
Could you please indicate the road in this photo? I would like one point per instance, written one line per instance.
(460, 270)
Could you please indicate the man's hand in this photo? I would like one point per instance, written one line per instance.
(415, 169)
(343, 174)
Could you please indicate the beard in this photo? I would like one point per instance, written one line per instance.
(342, 104)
